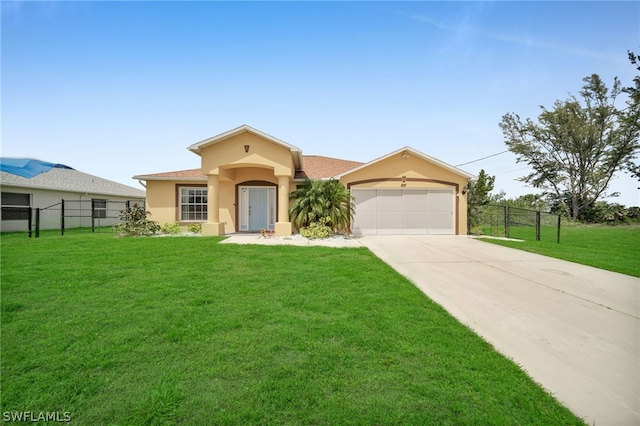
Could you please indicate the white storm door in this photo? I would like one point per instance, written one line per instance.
(257, 208)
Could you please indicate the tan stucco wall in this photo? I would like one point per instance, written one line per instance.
(161, 199)
(414, 167)
(229, 154)
(228, 193)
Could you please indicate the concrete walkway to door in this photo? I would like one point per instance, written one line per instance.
(575, 329)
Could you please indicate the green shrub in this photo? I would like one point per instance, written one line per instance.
(476, 230)
(135, 223)
(171, 228)
(195, 228)
(317, 230)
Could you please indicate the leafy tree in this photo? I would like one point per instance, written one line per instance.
(478, 194)
(526, 201)
(319, 199)
(634, 95)
(529, 201)
(478, 191)
(634, 92)
(577, 147)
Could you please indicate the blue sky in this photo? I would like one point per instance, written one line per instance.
(117, 89)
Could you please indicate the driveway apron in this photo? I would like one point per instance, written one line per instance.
(573, 328)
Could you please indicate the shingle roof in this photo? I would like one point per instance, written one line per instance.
(190, 174)
(60, 179)
(320, 167)
(314, 167)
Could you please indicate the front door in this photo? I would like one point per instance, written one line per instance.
(257, 208)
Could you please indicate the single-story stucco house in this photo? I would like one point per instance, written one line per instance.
(29, 182)
(245, 178)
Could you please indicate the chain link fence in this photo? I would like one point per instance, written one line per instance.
(92, 215)
(17, 219)
(513, 222)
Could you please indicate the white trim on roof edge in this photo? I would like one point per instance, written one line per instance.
(196, 148)
(172, 178)
(75, 191)
(417, 153)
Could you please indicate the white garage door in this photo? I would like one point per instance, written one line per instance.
(403, 211)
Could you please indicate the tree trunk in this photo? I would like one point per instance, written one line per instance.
(574, 206)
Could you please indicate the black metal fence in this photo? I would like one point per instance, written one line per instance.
(18, 219)
(91, 214)
(513, 222)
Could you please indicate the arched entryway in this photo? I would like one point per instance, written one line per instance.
(257, 207)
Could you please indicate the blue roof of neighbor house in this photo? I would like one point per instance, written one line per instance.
(31, 173)
(27, 167)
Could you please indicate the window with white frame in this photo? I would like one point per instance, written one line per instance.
(193, 204)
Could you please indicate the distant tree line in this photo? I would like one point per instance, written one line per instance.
(479, 193)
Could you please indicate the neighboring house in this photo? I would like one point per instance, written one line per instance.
(246, 176)
(27, 182)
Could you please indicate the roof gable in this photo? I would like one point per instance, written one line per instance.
(295, 151)
(411, 151)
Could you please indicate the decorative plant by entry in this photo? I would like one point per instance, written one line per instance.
(319, 199)
(317, 230)
(267, 234)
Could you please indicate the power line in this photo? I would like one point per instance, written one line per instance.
(483, 158)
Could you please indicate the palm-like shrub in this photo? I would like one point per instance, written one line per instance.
(339, 207)
(319, 199)
(308, 205)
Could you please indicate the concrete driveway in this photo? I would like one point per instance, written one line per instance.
(575, 329)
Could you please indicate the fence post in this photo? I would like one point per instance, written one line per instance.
(30, 221)
(93, 216)
(38, 222)
(507, 221)
(538, 225)
(62, 217)
(559, 217)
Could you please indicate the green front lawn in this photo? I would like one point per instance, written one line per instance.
(614, 248)
(134, 331)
